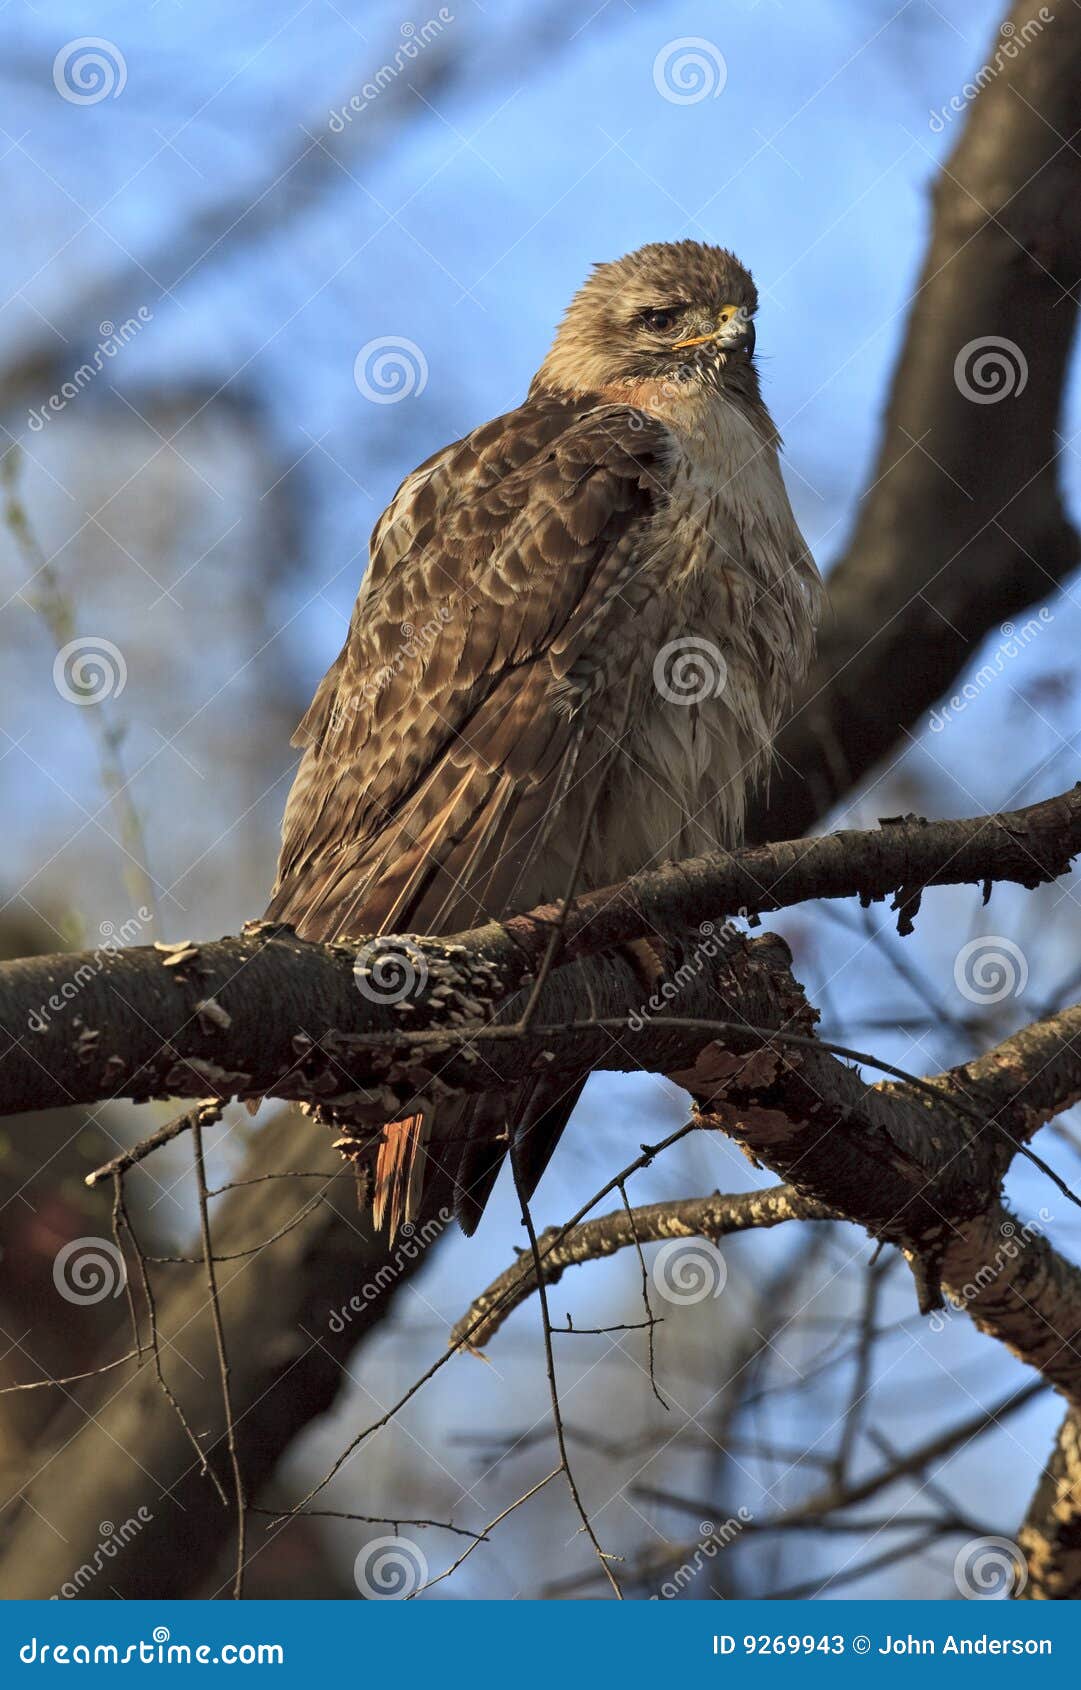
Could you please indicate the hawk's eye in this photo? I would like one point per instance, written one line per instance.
(659, 318)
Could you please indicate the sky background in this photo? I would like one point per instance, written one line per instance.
(204, 505)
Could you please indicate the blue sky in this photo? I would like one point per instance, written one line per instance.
(460, 221)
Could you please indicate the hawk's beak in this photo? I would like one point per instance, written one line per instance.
(734, 330)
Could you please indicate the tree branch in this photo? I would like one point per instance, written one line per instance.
(695, 1217)
(963, 523)
(266, 1013)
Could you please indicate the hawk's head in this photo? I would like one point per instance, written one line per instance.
(668, 322)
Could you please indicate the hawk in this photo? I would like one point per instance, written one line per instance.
(576, 637)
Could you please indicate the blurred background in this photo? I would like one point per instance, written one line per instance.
(298, 247)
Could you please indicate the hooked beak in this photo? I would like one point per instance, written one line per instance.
(734, 331)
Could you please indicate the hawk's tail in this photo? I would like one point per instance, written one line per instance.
(447, 1159)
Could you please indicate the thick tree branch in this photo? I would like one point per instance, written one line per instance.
(963, 523)
(1051, 1534)
(268, 1014)
(695, 1217)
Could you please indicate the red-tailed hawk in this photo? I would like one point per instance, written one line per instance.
(605, 587)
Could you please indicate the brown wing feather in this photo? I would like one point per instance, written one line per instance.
(439, 741)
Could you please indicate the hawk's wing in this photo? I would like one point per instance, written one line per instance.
(439, 742)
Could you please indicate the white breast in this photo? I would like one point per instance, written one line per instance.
(730, 632)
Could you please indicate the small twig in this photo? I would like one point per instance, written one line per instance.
(223, 1359)
(204, 1113)
(483, 1537)
(205, 1468)
(553, 1388)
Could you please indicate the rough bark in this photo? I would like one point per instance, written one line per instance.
(266, 1013)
